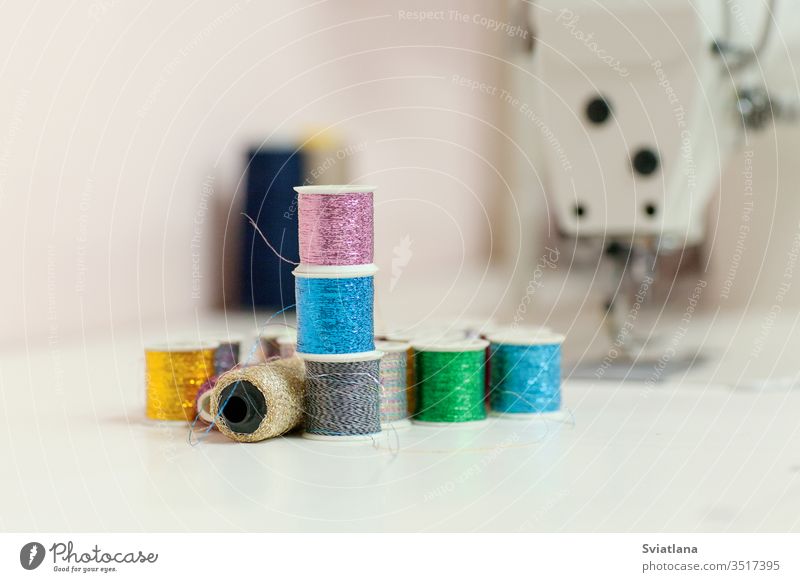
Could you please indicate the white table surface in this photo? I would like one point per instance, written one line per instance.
(688, 454)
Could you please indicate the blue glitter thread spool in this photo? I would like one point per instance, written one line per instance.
(335, 309)
(342, 400)
(525, 375)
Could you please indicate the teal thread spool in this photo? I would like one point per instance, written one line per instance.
(450, 380)
(526, 375)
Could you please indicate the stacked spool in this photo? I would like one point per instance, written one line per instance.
(335, 295)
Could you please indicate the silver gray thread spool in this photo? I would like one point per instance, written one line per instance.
(342, 399)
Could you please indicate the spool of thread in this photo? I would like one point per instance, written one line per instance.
(175, 372)
(259, 402)
(335, 309)
(394, 384)
(342, 396)
(526, 374)
(450, 382)
(336, 225)
(287, 346)
(226, 356)
(203, 401)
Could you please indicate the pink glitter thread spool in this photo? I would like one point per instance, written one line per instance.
(336, 225)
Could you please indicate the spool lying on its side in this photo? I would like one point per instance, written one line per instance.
(259, 402)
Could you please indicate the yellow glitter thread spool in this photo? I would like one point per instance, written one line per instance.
(175, 372)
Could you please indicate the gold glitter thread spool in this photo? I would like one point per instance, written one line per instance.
(259, 402)
(174, 374)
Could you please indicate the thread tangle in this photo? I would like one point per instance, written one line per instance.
(343, 398)
(450, 384)
(334, 316)
(336, 229)
(526, 379)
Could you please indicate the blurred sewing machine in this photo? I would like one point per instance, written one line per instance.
(638, 107)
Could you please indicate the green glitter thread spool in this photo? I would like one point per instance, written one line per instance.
(450, 382)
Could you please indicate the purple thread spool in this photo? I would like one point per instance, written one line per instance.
(226, 356)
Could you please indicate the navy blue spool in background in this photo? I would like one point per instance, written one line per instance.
(266, 280)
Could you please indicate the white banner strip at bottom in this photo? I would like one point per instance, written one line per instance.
(352, 557)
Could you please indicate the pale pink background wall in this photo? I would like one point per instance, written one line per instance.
(123, 126)
(116, 117)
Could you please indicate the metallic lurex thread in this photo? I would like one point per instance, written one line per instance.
(226, 356)
(334, 316)
(174, 375)
(282, 385)
(343, 398)
(526, 379)
(394, 399)
(450, 384)
(336, 229)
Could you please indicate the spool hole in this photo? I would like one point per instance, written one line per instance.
(245, 407)
(650, 209)
(579, 210)
(235, 410)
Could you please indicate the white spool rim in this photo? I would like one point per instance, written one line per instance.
(527, 339)
(522, 329)
(354, 357)
(181, 346)
(390, 347)
(465, 424)
(287, 339)
(467, 345)
(274, 334)
(307, 271)
(335, 189)
(205, 415)
(401, 424)
(355, 438)
(553, 415)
